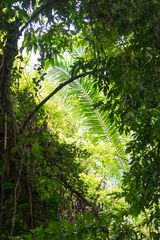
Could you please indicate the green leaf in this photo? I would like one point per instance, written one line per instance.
(36, 151)
(23, 14)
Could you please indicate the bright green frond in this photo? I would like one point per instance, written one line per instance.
(95, 119)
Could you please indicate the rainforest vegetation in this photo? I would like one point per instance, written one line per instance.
(80, 119)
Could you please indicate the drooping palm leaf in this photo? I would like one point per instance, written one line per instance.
(96, 119)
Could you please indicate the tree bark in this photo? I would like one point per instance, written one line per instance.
(7, 120)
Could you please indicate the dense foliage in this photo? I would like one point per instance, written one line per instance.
(49, 182)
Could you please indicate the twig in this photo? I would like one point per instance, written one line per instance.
(30, 204)
(2, 198)
(62, 85)
(15, 202)
(5, 131)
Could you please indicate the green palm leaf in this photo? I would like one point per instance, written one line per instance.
(96, 120)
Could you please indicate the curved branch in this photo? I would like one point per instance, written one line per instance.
(62, 85)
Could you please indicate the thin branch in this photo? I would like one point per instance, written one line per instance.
(1, 201)
(75, 192)
(34, 15)
(5, 131)
(16, 195)
(30, 205)
(62, 85)
(60, 176)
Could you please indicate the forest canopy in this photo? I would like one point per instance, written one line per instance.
(87, 105)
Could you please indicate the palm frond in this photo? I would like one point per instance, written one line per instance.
(96, 120)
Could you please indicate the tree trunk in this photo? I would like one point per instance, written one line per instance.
(7, 120)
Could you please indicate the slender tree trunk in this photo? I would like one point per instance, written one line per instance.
(7, 121)
(6, 106)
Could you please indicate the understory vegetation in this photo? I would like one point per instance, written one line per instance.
(79, 120)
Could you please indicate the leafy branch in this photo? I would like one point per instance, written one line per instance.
(34, 15)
